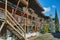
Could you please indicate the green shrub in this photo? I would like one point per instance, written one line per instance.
(45, 29)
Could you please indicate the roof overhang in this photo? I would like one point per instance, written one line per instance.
(36, 7)
(22, 2)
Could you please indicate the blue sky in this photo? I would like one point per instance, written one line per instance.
(49, 6)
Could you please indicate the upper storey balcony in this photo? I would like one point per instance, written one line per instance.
(15, 2)
(22, 2)
(25, 2)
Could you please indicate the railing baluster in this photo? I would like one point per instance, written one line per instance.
(2, 26)
(15, 21)
(14, 28)
(14, 24)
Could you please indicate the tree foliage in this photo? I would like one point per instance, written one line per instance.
(56, 22)
(45, 28)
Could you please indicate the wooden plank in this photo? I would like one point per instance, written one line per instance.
(2, 26)
(12, 31)
(17, 6)
(14, 28)
(5, 8)
(15, 24)
(15, 21)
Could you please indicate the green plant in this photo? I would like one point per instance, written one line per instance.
(45, 29)
(56, 22)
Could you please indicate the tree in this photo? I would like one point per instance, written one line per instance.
(56, 21)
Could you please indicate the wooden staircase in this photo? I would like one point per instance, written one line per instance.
(15, 27)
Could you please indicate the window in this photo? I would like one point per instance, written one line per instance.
(33, 18)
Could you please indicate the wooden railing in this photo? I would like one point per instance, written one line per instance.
(2, 25)
(15, 25)
(24, 2)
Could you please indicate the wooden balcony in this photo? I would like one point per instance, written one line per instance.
(24, 2)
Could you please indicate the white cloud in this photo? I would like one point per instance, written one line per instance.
(46, 9)
(53, 6)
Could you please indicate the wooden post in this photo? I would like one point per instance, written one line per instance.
(17, 6)
(6, 9)
(31, 21)
(27, 23)
(4, 28)
(13, 12)
(35, 25)
(24, 26)
(25, 29)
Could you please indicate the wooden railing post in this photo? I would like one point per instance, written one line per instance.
(12, 19)
(5, 8)
(17, 6)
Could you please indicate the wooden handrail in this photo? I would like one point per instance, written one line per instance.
(14, 24)
(11, 20)
(17, 6)
(17, 24)
(2, 26)
(14, 32)
(14, 28)
(15, 20)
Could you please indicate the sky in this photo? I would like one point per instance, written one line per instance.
(49, 6)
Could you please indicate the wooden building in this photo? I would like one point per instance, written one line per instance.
(20, 17)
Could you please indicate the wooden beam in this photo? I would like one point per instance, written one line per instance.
(15, 24)
(15, 20)
(17, 6)
(2, 26)
(5, 8)
(14, 28)
(27, 23)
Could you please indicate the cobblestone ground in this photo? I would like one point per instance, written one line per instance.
(46, 36)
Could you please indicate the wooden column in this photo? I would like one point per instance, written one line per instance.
(25, 29)
(3, 32)
(31, 21)
(13, 12)
(27, 24)
(4, 28)
(6, 8)
(17, 6)
(35, 26)
(24, 25)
